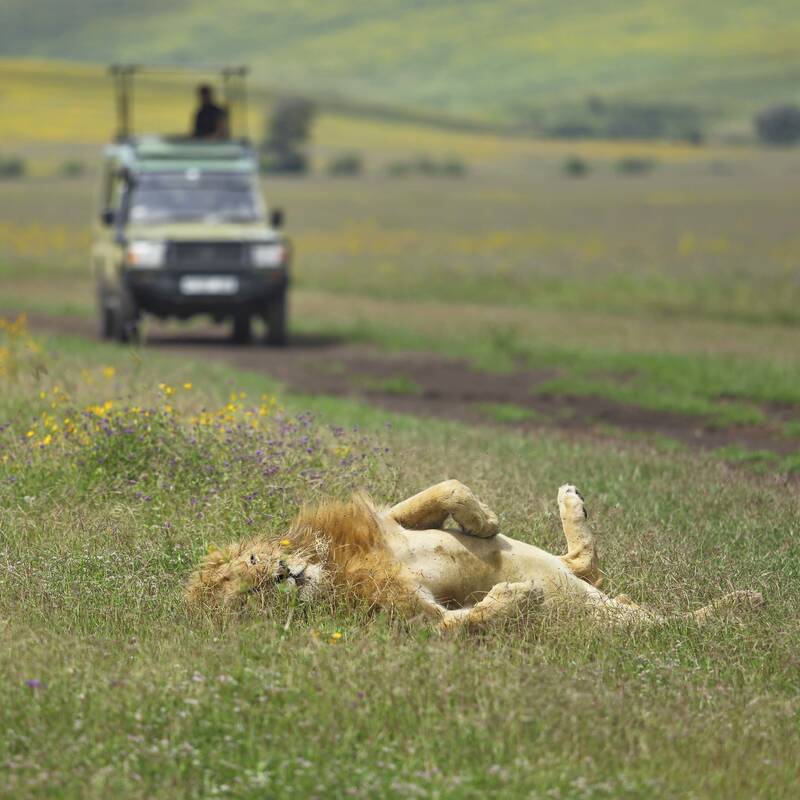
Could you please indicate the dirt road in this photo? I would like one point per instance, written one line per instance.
(426, 384)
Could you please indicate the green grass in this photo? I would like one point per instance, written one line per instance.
(508, 413)
(649, 292)
(396, 384)
(111, 688)
(792, 429)
(512, 61)
(725, 390)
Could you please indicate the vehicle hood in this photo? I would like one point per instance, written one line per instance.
(203, 232)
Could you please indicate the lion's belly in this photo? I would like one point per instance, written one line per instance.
(459, 569)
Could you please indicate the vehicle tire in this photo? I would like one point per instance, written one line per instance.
(241, 329)
(125, 326)
(276, 318)
(105, 316)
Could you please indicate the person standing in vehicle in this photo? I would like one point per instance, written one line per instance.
(210, 120)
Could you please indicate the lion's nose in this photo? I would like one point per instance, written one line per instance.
(283, 572)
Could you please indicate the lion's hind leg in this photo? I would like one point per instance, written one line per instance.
(431, 508)
(504, 602)
(581, 555)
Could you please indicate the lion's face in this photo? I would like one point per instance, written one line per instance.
(229, 574)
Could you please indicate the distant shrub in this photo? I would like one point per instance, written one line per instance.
(634, 165)
(288, 129)
(398, 169)
(346, 165)
(575, 167)
(451, 167)
(779, 125)
(73, 169)
(600, 118)
(285, 163)
(12, 167)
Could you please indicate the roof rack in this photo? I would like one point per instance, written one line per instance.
(170, 154)
(233, 89)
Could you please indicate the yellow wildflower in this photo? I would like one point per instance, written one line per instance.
(286, 542)
(187, 386)
(47, 439)
(109, 372)
(335, 636)
(29, 434)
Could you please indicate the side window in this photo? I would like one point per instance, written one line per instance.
(116, 190)
(112, 188)
(105, 188)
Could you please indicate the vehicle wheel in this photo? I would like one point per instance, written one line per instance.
(125, 326)
(241, 329)
(105, 317)
(275, 317)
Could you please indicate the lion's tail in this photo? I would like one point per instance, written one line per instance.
(728, 602)
(622, 610)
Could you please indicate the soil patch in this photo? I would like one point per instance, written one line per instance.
(427, 384)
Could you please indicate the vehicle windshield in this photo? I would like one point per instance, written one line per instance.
(194, 196)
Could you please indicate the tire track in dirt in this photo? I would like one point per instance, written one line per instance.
(427, 384)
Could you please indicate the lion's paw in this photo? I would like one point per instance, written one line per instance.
(490, 524)
(477, 519)
(508, 593)
(570, 503)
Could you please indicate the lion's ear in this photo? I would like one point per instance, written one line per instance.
(216, 556)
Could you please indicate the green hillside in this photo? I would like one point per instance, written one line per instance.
(519, 61)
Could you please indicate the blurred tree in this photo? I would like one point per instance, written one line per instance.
(287, 131)
(779, 125)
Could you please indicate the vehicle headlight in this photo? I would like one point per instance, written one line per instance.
(147, 255)
(268, 255)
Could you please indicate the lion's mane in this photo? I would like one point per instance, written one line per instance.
(347, 539)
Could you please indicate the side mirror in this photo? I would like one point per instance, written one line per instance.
(107, 217)
(276, 218)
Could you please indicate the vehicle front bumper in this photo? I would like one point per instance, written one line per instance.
(158, 291)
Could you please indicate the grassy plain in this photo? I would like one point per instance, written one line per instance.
(511, 60)
(114, 483)
(676, 291)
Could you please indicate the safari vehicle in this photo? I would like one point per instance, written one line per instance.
(183, 230)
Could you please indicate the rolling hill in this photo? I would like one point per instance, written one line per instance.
(529, 63)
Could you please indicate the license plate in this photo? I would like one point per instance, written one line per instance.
(209, 284)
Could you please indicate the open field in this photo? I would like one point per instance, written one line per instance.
(50, 105)
(674, 291)
(514, 61)
(545, 317)
(111, 688)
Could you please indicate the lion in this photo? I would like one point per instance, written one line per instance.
(404, 560)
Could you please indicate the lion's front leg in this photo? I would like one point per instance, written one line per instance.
(505, 601)
(430, 509)
(581, 555)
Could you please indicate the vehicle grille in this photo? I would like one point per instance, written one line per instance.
(208, 255)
